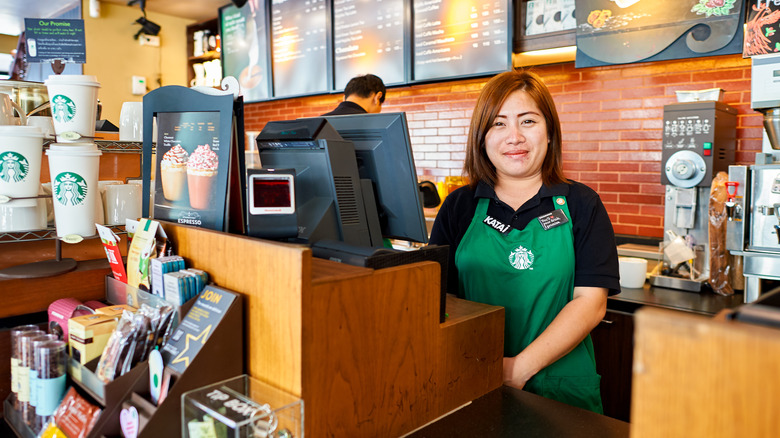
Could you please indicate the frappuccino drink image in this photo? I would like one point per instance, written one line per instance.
(173, 173)
(201, 174)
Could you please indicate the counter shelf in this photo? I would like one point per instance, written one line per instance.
(14, 420)
(276, 412)
(219, 358)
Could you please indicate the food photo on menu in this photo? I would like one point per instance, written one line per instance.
(190, 187)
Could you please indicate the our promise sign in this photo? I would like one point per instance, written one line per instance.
(52, 39)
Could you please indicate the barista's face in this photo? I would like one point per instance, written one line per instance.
(516, 143)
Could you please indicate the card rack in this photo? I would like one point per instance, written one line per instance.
(220, 358)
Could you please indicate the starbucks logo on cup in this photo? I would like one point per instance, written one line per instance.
(63, 108)
(69, 188)
(13, 167)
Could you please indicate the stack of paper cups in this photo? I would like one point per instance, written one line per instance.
(73, 101)
(21, 149)
(74, 182)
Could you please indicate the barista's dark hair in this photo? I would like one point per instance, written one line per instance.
(477, 165)
(364, 86)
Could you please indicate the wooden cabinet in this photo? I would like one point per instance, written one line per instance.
(613, 342)
(200, 50)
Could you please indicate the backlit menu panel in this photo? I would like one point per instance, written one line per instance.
(368, 38)
(299, 40)
(245, 48)
(459, 38)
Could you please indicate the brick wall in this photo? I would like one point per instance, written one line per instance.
(611, 119)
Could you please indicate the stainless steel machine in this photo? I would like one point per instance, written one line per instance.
(753, 230)
(699, 140)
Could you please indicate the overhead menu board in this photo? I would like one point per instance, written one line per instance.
(463, 39)
(299, 47)
(368, 38)
(244, 34)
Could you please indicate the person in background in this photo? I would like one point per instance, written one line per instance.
(363, 94)
(524, 237)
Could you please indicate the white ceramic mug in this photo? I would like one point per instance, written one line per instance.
(633, 272)
(23, 215)
(131, 122)
(44, 123)
(7, 108)
(123, 201)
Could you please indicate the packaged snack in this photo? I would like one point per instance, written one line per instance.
(145, 246)
(75, 416)
(88, 335)
(111, 245)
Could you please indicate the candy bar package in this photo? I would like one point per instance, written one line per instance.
(75, 416)
(135, 336)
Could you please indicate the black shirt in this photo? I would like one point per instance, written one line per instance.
(595, 250)
(346, 107)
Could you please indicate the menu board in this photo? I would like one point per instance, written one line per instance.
(620, 32)
(460, 38)
(299, 46)
(191, 169)
(244, 53)
(368, 38)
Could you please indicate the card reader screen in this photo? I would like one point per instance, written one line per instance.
(271, 193)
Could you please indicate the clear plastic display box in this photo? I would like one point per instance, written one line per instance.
(241, 407)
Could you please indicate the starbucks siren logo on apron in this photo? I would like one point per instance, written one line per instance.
(521, 258)
(63, 108)
(13, 167)
(69, 188)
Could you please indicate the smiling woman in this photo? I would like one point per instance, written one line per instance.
(523, 237)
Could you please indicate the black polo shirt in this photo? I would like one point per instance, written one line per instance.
(595, 251)
(346, 107)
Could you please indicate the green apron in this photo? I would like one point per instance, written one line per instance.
(530, 273)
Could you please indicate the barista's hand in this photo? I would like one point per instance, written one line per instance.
(514, 373)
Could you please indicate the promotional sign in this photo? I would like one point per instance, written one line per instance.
(196, 327)
(52, 39)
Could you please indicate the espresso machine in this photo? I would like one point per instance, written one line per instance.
(699, 140)
(753, 207)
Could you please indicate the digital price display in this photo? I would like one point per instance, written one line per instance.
(299, 46)
(460, 38)
(244, 49)
(368, 38)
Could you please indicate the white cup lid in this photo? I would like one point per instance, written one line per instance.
(20, 131)
(89, 80)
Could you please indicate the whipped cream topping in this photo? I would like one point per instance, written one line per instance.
(203, 158)
(175, 155)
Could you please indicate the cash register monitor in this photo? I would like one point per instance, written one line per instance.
(327, 189)
(384, 155)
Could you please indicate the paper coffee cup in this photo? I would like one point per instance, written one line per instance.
(633, 272)
(21, 149)
(74, 177)
(73, 103)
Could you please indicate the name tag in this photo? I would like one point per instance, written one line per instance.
(553, 219)
(496, 225)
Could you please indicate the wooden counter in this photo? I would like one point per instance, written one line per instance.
(696, 376)
(364, 348)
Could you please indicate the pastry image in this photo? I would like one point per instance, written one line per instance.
(173, 172)
(201, 173)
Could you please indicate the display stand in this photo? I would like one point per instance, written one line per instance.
(221, 357)
(194, 122)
